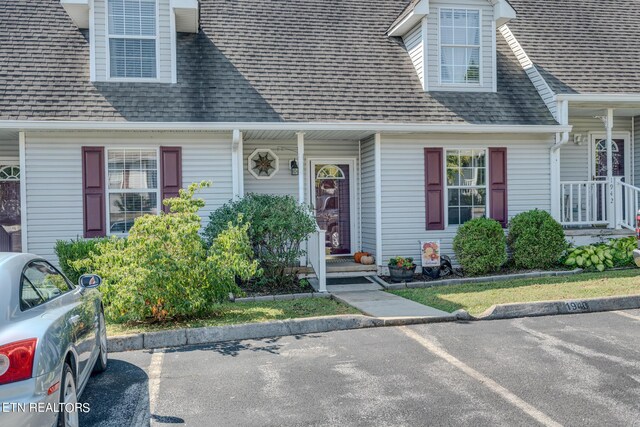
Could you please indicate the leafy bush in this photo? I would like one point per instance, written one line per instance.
(69, 251)
(480, 246)
(536, 240)
(163, 269)
(278, 226)
(614, 253)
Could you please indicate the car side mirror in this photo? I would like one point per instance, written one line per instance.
(89, 281)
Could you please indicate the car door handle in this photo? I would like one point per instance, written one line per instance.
(74, 319)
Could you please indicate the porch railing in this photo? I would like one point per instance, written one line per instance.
(627, 204)
(316, 255)
(583, 203)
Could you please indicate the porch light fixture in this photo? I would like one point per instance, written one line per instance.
(295, 170)
(578, 138)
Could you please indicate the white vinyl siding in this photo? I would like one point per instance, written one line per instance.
(283, 183)
(487, 35)
(403, 192)
(415, 47)
(163, 45)
(574, 159)
(368, 196)
(9, 148)
(54, 181)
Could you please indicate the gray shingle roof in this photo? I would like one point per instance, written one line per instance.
(253, 60)
(582, 46)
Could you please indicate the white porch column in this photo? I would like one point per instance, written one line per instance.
(378, 198)
(22, 147)
(237, 176)
(554, 160)
(611, 211)
(300, 167)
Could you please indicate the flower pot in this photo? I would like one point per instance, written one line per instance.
(401, 274)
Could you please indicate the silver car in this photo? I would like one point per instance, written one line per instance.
(52, 337)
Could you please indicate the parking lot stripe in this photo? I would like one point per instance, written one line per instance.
(625, 314)
(155, 370)
(530, 410)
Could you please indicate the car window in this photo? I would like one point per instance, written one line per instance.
(41, 283)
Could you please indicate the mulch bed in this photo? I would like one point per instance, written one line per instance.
(298, 287)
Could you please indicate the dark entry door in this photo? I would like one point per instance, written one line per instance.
(333, 205)
(10, 225)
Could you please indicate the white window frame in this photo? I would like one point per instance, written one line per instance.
(447, 186)
(440, 46)
(109, 191)
(108, 38)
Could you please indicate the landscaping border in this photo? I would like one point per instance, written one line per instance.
(482, 279)
(283, 297)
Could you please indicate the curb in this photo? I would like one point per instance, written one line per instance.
(550, 308)
(278, 328)
(485, 279)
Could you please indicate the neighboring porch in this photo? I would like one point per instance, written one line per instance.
(599, 169)
(11, 235)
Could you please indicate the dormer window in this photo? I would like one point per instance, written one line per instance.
(133, 37)
(460, 46)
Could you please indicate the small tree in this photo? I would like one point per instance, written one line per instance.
(278, 226)
(480, 246)
(163, 270)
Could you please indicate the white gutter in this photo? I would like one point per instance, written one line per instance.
(23, 125)
(598, 97)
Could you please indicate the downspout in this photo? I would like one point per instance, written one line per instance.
(554, 159)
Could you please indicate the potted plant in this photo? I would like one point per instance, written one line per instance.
(401, 269)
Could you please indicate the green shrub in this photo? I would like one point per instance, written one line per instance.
(480, 246)
(69, 251)
(278, 226)
(163, 270)
(536, 240)
(602, 256)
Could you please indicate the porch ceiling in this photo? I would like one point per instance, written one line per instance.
(324, 135)
(589, 110)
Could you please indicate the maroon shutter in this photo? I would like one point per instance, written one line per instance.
(498, 208)
(434, 188)
(93, 192)
(171, 167)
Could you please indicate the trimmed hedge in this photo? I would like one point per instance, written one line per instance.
(480, 246)
(536, 240)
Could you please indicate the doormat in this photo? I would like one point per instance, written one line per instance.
(347, 281)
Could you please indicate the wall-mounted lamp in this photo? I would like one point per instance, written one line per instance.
(578, 138)
(294, 168)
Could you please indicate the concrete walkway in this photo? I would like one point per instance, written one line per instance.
(385, 305)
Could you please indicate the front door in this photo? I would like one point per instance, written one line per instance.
(332, 192)
(10, 224)
(619, 148)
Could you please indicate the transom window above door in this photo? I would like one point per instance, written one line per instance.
(132, 34)
(132, 191)
(460, 46)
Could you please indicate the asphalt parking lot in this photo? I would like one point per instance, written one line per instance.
(562, 370)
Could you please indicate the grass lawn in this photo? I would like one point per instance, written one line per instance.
(476, 298)
(250, 312)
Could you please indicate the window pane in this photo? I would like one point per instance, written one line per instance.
(466, 197)
(466, 158)
(446, 17)
(473, 19)
(478, 159)
(133, 169)
(453, 159)
(132, 17)
(454, 197)
(41, 283)
(453, 176)
(473, 36)
(478, 212)
(454, 216)
(446, 35)
(465, 214)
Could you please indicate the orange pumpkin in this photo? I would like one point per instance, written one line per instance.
(358, 256)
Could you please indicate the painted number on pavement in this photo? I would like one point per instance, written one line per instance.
(574, 306)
